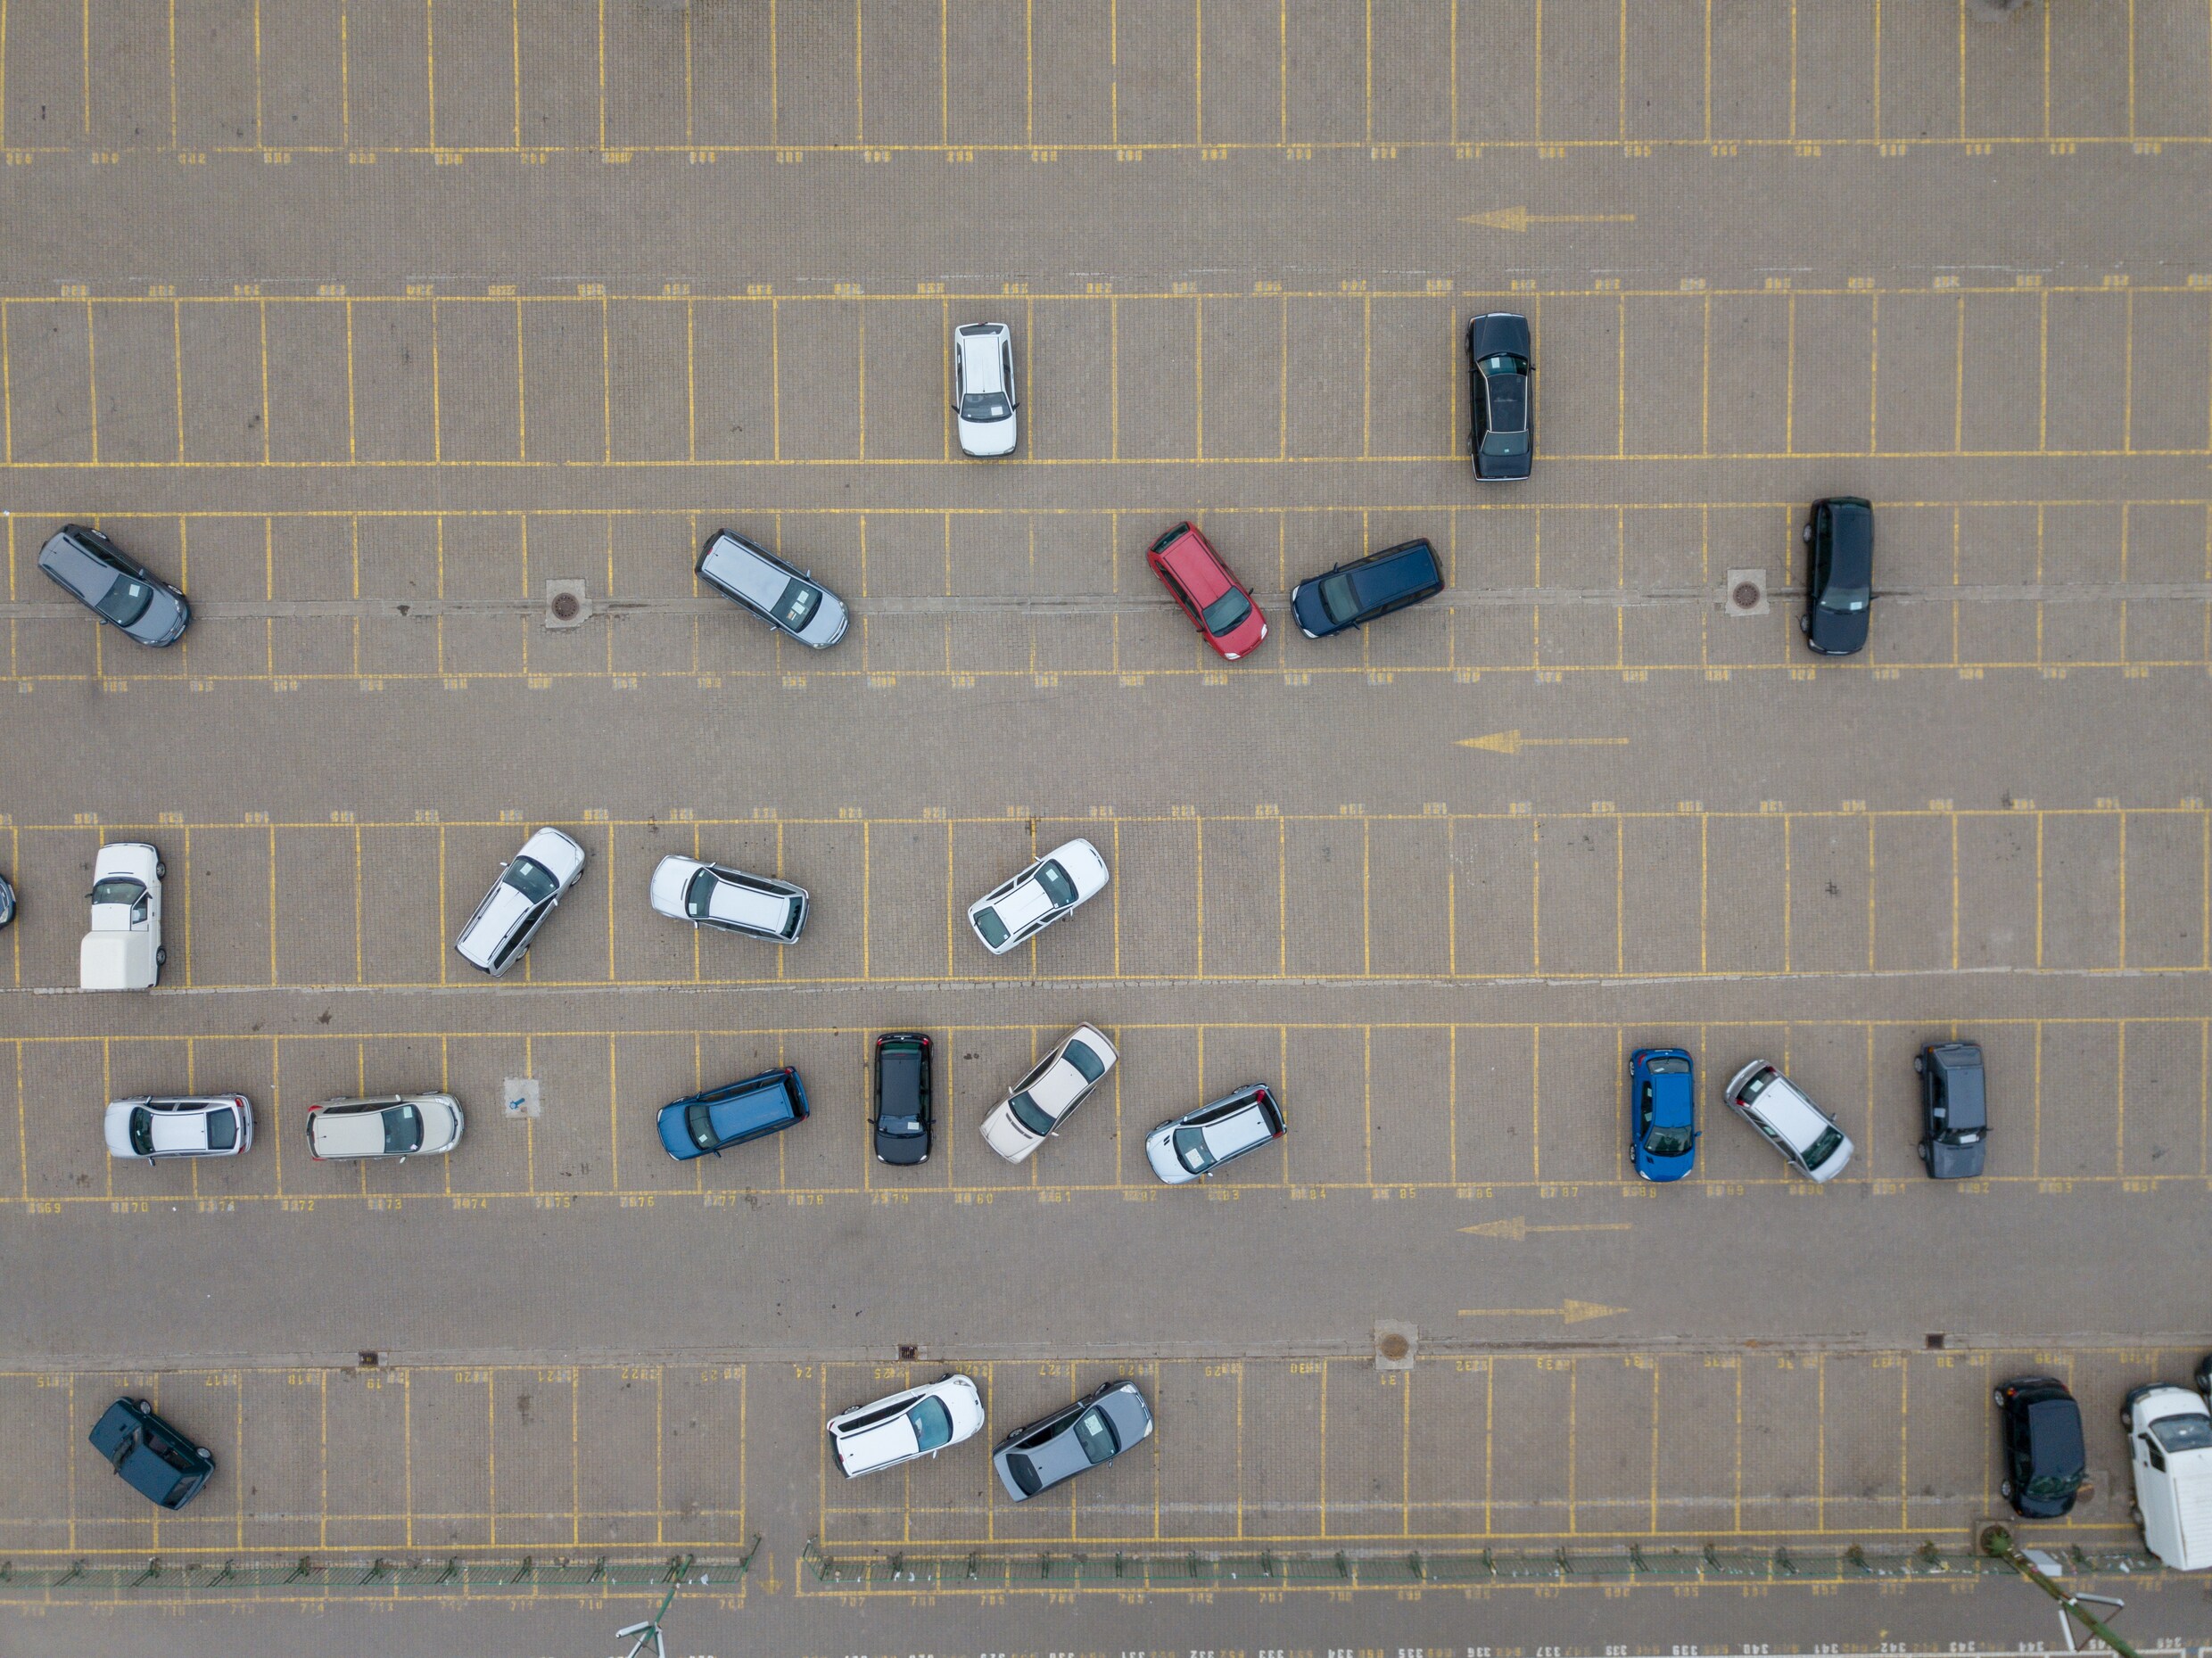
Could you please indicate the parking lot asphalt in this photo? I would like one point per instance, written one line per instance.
(365, 324)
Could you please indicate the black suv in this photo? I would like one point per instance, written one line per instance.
(2043, 1458)
(903, 1113)
(1839, 575)
(155, 1460)
(1353, 594)
(1954, 1109)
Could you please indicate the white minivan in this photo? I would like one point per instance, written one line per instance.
(2170, 1439)
(1805, 1135)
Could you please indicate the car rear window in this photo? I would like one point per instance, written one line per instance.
(1080, 1055)
(222, 1129)
(993, 930)
(1824, 1148)
(1024, 1474)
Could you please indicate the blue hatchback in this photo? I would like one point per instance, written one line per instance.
(1662, 1112)
(733, 1114)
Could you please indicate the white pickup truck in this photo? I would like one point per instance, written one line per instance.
(123, 951)
(2170, 1439)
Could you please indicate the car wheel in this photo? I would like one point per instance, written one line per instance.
(205, 1455)
(161, 870)
(1919, 1065)
(2004, 1489)
(145, 1407)
(160, 956)
(2204, 1375)
(1996, 1397)
(2134, 1514)
(1805, 534)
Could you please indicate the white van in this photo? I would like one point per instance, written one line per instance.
(123, 951)
(1801, 1131)
(2170, 1439)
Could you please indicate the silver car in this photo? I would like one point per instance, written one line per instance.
(730, 901)
(1041, 1101)
(527, 890)
(153, 1127)
(1056, 885)
(791, 601)
(984, 399)
(114, 586)
(1197, 1143)
(386, 1125)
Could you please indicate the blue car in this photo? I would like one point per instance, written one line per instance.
(1662, 1112)
(733, 1114)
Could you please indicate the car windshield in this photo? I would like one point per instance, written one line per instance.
(1668, 1142)
(1823, 1149)
(1057, 886)
(125, 602)
(993, 930)
(142, 1131)
(1225, 612)
(699, 897)
(531, 879)
(1506, 444)
(983, 406)
(1080, 1055)
(1024, 1474)
(1189, 1150)
(1029, 1115)
(123, 890)
(933, 1424)
(699, 1124)
(1095, 1435)
(1846, 598)
(403, 1131)
(2183, 1433)
(1336, 597)
(798, 603)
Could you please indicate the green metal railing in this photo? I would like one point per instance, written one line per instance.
(995, 1569)
(455, 1575)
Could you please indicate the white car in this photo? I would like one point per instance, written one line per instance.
(123, 950)
(984, 398)
(151, 1126)
(1194, 1145)
(393, 1125)
(1036, 1105)
(1059, 883)
(2170, 1439)
(906, 1426)
(527, 890)
(1805, 1135)
(791, 601)
(712, 895)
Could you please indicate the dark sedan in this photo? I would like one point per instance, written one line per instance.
(729, 1115)
(2044, 1463)
(1092, 1431)
(1497, 358)
(1839, 576)
(903, 1118)
(114, 586)
(1353, 594)
(1954, 1109)
(153, 1458)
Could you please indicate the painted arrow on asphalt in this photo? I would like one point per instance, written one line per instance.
(1518, 1228)
(1513, 742)
(1517, 219)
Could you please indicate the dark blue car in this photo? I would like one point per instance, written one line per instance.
(1662, 1112)
(1353, 594)
(154, 1460)
(733, 1114)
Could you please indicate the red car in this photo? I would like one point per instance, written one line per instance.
(1221, 605)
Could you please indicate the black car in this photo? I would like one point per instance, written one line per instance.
(1094, 1430)
(903, 1110)
(7, 902)
(2043, 1458)
(154, 1459)
(1839, 575)
(1498, 356)
(1954, 1109)
(114, 586)
(1353, 594)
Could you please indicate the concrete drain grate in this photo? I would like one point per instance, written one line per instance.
(1747, 593)
(567, 604)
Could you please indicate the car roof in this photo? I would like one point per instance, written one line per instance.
(1395, 571)
(182, 1131)
(888, 1442)
(501, 912)
(748, 568)
(1025, 906)
(1240, 1131)
(742, 901)
(1790, 1113)
(980, 356)
(762, 1102)
(1194, 564)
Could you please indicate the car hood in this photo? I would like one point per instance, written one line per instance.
(671, 875)
(116, 918)
(1306, 610)
(1838, 633)
(562, 857)
(1664, 1168)
(986, 437)
(1499, 334)
(1085, 868)
(1159, 1151)
(117, 1128)
(164, 620)
(1008, 1137)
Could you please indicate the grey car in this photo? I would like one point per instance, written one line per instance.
(114, 586)
(1072, 1440)
(1954, 1109)
(791, 601)
(7, 902)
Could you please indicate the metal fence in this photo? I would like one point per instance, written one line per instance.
(307, 1575)
(1711, 1563)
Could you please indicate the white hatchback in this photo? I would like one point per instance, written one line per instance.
(982, 388)
(906, 1426)
(388, 1126)
(729, 900)
(1056, 885)
(151, 1126)
(1036, 1105)
(1805, 1135)
(529, 888)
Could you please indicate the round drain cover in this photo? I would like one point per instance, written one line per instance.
(1745, 595)
(565, 607)
(1393, 1346)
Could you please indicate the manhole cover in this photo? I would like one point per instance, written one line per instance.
(565, 607)
(1396, 1342)
(1746, 594)
(567, 603)
(1393, 1346)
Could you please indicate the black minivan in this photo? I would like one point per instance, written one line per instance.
(1839, 575)
(1353, 594)
(903, 1110)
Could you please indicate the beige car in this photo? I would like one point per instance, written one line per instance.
(386, 1126)
(1043, 1100)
